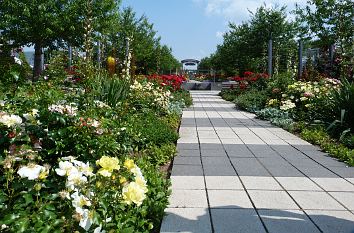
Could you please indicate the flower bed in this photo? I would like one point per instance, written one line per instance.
(304, 107)
(86, 158)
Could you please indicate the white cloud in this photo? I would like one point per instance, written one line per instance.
(238, 10)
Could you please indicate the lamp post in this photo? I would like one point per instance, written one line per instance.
(270, 55)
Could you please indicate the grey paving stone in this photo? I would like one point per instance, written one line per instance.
(187, 170)
(187, 182)
(315, 200)
(294, 156)
(217, 161)
(214, 153)
(233, 141)
(334, 184)
(298, 183)
(207, 134)
(262, 150)
(205, 129)
(209, 146)
(249, 167)
(191, 160)
(317, 172)
(273, 162)
(187, 146)
(284, 149)
(188, 153)
(229, 199)
(305, 163)
(236, 220)
(331, 162)
(214, 170)
(223, 182)
(240, 154)
(188, 198)
(236, 147)
(345, 172)
(346, 198)
(260, 183)
(285, 171)
(307, 147)
(186, 220)
(207, 141)
(333, 221)
(289, 221)
(272, 200)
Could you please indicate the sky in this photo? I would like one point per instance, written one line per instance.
(193, 28)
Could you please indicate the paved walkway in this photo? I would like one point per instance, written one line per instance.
(235, 173)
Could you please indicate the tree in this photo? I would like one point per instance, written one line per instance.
(49, 23)
(148, 54)
(330, 22)
(245, 45)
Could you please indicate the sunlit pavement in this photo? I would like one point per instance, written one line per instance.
(235, 173)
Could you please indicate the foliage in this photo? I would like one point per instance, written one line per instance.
(342, 100)
(183, 95)
(60, 21)
(56, 67)
(245, 45)
(148, 54)
(252, 100)
(321, 138)
(113, 90)
(155, 131)
(277, 117)
(46, 124)
(331, 22)
(160, 155)
(306, 100)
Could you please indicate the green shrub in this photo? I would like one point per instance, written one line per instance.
(320, 137)
(183, 95)
(160, 155)
(343, 106)
(113, 91)
(279, 83)
(230, 94)
(277, 117)
(151, 128)
(252, 100)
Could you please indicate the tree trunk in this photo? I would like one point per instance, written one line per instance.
(38, 66)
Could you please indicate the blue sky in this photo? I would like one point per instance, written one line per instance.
(193, 28)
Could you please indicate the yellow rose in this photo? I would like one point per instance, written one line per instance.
(122, 180)
(133, 193)
(142, 183)
(108, 165)
(129, 164)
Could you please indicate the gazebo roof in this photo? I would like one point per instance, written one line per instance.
(190, 62)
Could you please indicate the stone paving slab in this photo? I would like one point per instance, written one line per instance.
(235, 173)
(333, 221)
(186, 220)
(289, 221)
(223, 182)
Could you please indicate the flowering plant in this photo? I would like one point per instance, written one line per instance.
(148, 94)
(300, 97)
(171, 82)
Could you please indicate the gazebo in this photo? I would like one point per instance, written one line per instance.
(190, 62)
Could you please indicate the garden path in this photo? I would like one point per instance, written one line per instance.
(235, 173)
